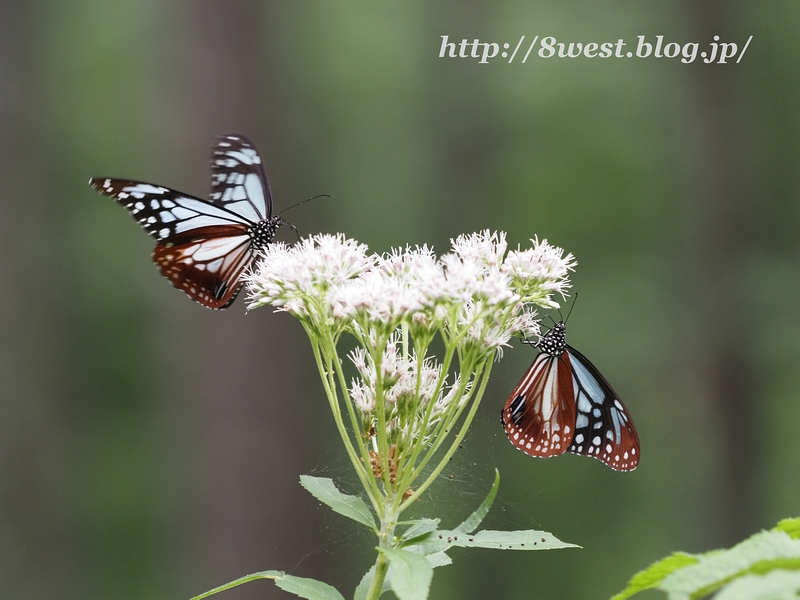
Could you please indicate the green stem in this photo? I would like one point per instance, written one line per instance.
(356, 429)
(386, 541)
(380, 408)
(333, 400)
(381, 568)
(446, 423)
(454, 446)
(450, 351)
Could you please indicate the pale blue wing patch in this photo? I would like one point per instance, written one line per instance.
(238, 180)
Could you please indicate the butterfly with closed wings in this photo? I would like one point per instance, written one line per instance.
(563, 404)
(204, 246)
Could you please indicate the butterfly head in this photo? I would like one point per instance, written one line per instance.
(263, 232)
(554, 342)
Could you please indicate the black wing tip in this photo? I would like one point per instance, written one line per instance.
(230, 137)
(103, 185)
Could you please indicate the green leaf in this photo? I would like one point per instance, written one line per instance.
(310, 589)
(363, 586)
(418, 531)
(759, 553)
(324, 490)
(790, 526)
(775, 585)
(474, 520)
(418, 521)
(439, 559)
(410, 573)
(742, 572)
(500, 540)
(652, 576)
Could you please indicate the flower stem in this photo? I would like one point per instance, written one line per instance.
(386, 540)
(333, 400)
(454, 446)
(381, 568)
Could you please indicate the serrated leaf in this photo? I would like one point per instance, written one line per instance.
(529, 539)
(472, 522)
(418, 530)
(652, 576)
(790, 526)
(419, 543)
(310, 589)
(775, 585)
(324, 490)
(411, 574)
(439, 559)
(417, 521)
(363, 586)
(713, 570)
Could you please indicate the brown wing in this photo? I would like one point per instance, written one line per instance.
(539, 415)
(207, 267)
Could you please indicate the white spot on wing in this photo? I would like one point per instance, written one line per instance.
(144, 188)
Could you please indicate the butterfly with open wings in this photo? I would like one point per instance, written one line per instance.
(204, 246)
(563, 404)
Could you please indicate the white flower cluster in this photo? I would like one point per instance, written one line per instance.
(474, 298)
(475, 293)
(299, 278)
(410, 387)
(538, 272)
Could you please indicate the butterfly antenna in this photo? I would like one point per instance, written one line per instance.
(303, 202)
(571, 307)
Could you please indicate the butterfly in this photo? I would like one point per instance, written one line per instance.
(563, 404)
(204, 246)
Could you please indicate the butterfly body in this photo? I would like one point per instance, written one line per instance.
(563, 404)
(204, 246)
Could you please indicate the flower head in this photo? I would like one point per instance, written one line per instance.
(539, 271)
(476, 297)
(298, 278)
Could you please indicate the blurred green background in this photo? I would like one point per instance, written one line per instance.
(150, 448)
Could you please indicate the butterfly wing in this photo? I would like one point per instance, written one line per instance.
(166, 214)
(539, 415)
(202, 247)
(207, 268)
(603, 427)
(238, 180)
(205, 245)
